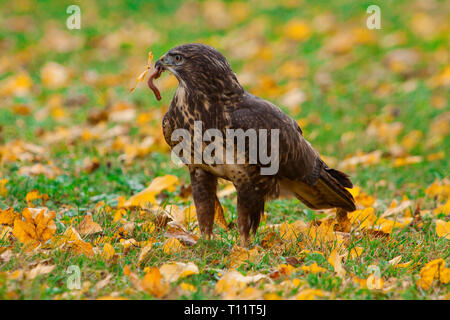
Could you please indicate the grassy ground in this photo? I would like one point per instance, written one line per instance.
(374, 103)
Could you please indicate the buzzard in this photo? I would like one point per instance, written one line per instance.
(208, 91)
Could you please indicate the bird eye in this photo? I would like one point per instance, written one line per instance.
(178, 58)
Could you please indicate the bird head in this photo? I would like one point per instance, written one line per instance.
(199, 67)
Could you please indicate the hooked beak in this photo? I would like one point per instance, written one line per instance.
(164, 62)
(159, 64)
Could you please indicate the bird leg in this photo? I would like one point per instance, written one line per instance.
(343, 223)
(204, 187)
(250, 207)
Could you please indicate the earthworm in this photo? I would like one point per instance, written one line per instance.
(155, 75)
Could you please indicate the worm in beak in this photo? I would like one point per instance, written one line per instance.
(155, 75)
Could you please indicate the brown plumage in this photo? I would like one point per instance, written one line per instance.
(209, 92)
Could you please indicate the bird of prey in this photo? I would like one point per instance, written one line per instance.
(209, 91)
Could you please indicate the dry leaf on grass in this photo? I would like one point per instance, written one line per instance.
(335, 259)
(154, 283)
(433, 270)
(171, 272)
(37, 227)
(234, 280)
(172, 245)
(310, 294)
(147, 195)
(33, 195)
(313, 268)
(240, 255)
(219, 217)
(103, 283)
(144, 252)
(8, 216)
(178, 232)
(88, 226)
(40, 269)
(108, 252)
(443, 228)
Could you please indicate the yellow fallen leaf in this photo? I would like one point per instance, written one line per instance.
(285, 269)
(172, 245)
(407, 161)
(361, 197)
(88, 226)
(234, 281)
(81, 247)
(103, 283)
(128, 243)
(403, 265)
(310, 294)
(445, 208)
(144, 251)
(335, 259)
(373, 282)
(38, 226)
(154, 284)
(272, 296)
(175, 230)
(395, 261)
(8, 216)
(313, 268)
(178, 215)
(361, 282)
(356, 252)
(111, 298)
(20, 84)
(108, 252)
(439, 190)
(292, 231)
(15, 275)
(361, 158)
(187, 287)
(240, 255)
(433, 270)
(190, 215)
(325, 232)
(118, 214)
(5, 232)
(387, 225)
(219, 217)
(228, 190)
(366, 217)
(33, 195)
(297, 30)
(38, 169)
(54, 75)
(149, 227)
(3, 189)
(70, 235)
(444, 275)
(147, 195)
(171, 272)
(40, 269)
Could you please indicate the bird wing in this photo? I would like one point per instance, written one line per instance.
(300, 167)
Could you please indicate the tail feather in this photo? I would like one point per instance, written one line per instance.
(334, 191)
(328, 192)
(341, 177)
